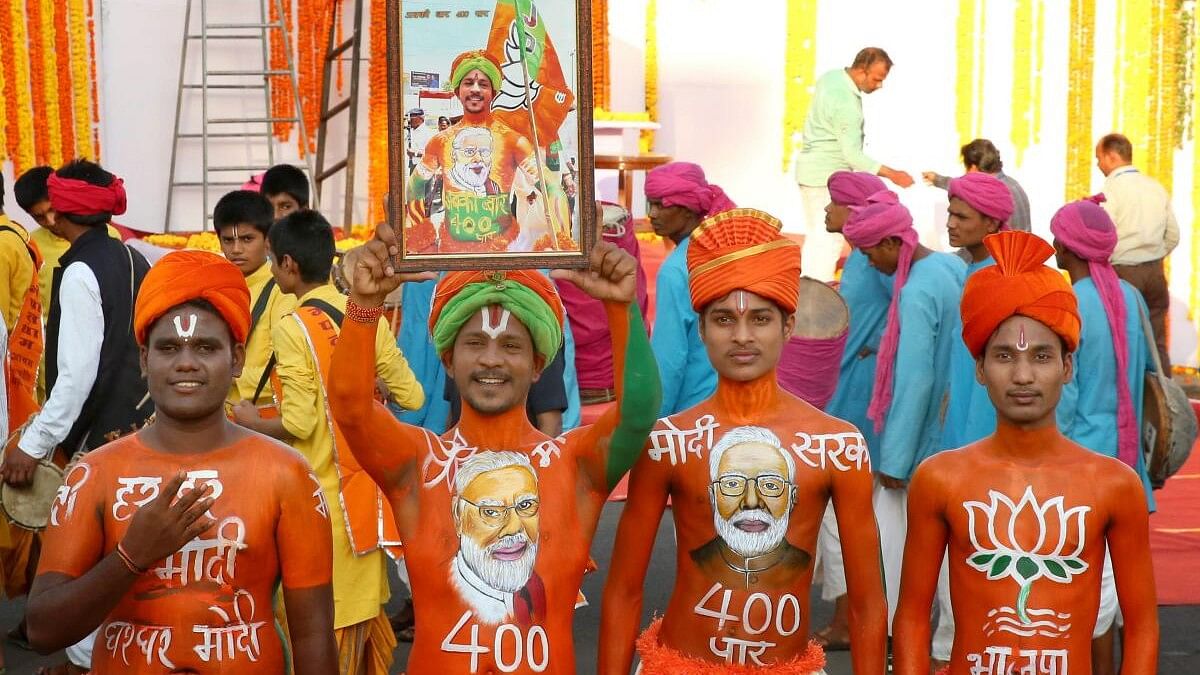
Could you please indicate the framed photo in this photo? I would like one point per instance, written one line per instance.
(490, 133)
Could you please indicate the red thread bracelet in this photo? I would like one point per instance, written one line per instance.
(359, 314)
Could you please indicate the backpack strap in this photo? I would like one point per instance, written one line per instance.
(260, 307)
(332, 312)
(32, 255)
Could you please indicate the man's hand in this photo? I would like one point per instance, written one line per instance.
(611, 274)
(18, 467)
(246, 414)
(370, 275)
(891, 483)
(161, 528)
(929, 176)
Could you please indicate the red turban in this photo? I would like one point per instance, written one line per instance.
(985, 193)
(683, 184)
(742, 249)
(852, 188)
(182, 276)
(81, 198)
(1018, 284)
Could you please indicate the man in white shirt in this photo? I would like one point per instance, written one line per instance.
(95, 389)
(833, 141)
(416, 136)
(1146, 230)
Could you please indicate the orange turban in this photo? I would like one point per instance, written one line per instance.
(528, 294)
(742, 249)
(1017, 284)
(193, 275)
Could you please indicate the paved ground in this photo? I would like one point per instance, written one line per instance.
(1179, 651)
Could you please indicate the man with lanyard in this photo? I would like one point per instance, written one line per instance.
(496, 517)
(911, 374)
(242, 220)
(749, 473)
(1101, 407)
(192, 487)
(833, 141)
(95, 392)
(867, 293)
(363, 527)
(678, 197)
(1026, 513)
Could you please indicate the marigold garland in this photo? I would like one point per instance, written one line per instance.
(62, 62)
(1022, 107)
(25, 154)
(1040, 51)
(283, 101)
(1080, 65)
(964, 83)
(81, 91)
(601, 85)
(91, 27)
(646, 138)
(8, 119)
(1194, 304)
(799, 72)
(45, 38)
(377, 112)
(314, 19)
(37, 77)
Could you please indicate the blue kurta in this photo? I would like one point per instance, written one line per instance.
(417, 346)
(687, 376)
(867, 294)
(970, 414)
(930, 325)
(1087, 412)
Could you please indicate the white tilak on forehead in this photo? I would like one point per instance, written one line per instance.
(495, 329)
(183, 333)
(740, 302)
(1022, 343)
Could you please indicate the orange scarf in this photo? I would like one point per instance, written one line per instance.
(370, 522)
(25, 346)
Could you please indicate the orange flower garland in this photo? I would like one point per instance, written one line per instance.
(91, 26)
(37, 60)
(62, 62)
(25, 154)
(601, 85)
(377, 112)
(8, 88)
(283, 98)
(81, 92)
(314, 18)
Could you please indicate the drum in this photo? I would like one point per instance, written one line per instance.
(821, 313)
(811, 359)
(29, 506)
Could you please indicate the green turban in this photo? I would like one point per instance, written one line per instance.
(526, 304)
(474, 60)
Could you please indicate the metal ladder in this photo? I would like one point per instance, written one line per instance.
(240, 79)
(333, 53)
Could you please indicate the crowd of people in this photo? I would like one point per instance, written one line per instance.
(244, 446)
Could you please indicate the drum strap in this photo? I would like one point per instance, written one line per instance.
(1148, 335)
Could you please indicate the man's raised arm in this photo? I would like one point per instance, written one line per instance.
(619, 435)
(377, 438)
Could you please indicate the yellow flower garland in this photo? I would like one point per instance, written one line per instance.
(50, 82)
(81, 81)
(1022, 113)
(1194, 304)
(646, 140)
(1080, 64)
(964, 83)
(799, 72)
(26, 155)
(1040, 51)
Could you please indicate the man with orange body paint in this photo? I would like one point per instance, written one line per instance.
(749, 472)
(172, 541)
(496, 517)
(1026, 513)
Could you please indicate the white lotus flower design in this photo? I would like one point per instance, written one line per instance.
(1026, 540)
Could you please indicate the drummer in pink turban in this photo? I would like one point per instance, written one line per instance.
(911, 375)
(678, 198)
(1113, 353)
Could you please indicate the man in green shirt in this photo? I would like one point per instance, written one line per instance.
(833, 141)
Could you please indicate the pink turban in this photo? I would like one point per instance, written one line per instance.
(852, 188)
(1086, 230)
(883, 217)
(683, 184)
(985, 193)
